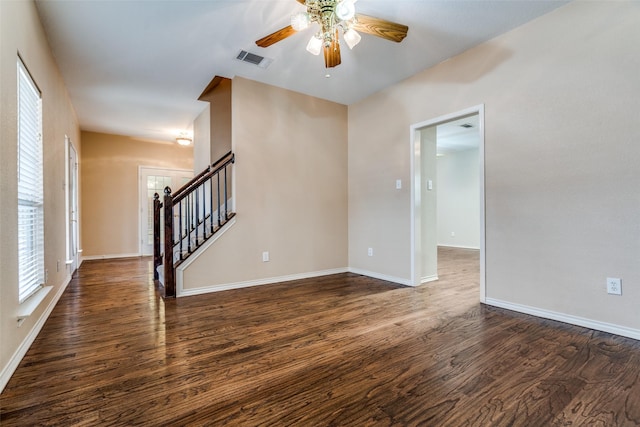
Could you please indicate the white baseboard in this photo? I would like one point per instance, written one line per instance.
(459, 247)
(428, 279)
(406, 282)
(14, 361)
(110, 256)
(567, 318)
(259, 282)
(179, 273)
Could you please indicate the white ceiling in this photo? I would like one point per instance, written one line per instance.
(136, 68)
(458, 135)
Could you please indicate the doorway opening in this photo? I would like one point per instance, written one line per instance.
(71, 195)
(154, 180)
(447, 195)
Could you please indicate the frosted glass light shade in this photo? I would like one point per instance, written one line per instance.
(352, 37)
(300, 21)
(345, 10)
(315, 45)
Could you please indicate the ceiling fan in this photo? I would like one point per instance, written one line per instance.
(332, 16)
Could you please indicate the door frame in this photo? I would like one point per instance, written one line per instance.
(415, 210)
(158, 170)
(72, 206)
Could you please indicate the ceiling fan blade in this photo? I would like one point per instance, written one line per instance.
(380, 27)
(332, 53)
(272, 38)
(302, 2)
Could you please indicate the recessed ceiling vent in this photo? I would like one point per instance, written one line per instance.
(466, 125)
(254, 59)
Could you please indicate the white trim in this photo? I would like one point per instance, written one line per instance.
(471, 248)
(16, 358)
(398, 280)
(180, 270)
(428, 279)
(110, 256)
(259, 282)
(566, 318)
(30, 305)
(414, 148)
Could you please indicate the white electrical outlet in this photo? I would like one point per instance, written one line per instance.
(398, 184)
(265, 256)
(453, 234)
(614, 286)
(370, 251)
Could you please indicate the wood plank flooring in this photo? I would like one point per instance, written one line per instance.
(341, 350)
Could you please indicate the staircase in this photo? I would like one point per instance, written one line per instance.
(189, 217)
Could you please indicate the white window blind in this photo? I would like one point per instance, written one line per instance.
(30, 187)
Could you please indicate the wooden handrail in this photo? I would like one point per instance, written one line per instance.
(203, 176)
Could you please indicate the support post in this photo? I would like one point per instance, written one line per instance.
(157, 259)
(169, 277)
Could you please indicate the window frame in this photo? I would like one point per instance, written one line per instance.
(30, 185)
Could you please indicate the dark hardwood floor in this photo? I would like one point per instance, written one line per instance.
(341, 350)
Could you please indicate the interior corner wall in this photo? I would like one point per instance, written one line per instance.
(459, 199)
(290, 191)
(221, 120)
(21, 34)
(110, 200)
(429, 204)
(202, 140)
(561, 161)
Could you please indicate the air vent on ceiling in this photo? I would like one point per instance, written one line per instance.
(466, 125)
(254, 59)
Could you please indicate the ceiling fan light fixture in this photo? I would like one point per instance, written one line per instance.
(352, 37)
(315, 45)
(335, 17)
(300, 21)
(345, 10)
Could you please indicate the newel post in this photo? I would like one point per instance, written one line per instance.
(169, 279)
(157, 259)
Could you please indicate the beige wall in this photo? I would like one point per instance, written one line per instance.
(201, 140)
(20, 31)
(109, 177)
(291, 191)
(220, 99)
(428, 204)
(459, 199)
(561, 161)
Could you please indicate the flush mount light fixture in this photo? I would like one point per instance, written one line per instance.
(333, 17)
(183, 139)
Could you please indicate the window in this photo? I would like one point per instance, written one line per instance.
(30, 187)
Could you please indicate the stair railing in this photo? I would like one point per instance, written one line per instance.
(192, 215)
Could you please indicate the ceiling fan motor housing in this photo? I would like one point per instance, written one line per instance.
(323, 12)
